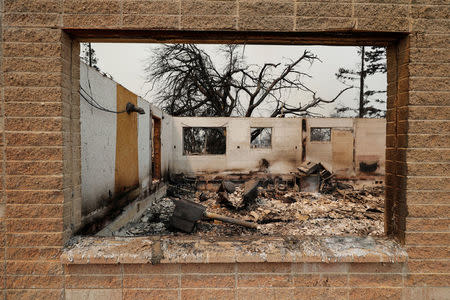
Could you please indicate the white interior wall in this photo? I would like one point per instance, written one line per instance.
(144, 124)
(98, 139)
(370, 142)
(283, 157)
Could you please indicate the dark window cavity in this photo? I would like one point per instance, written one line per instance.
(204, 140)
(260, 137)
(320, 134)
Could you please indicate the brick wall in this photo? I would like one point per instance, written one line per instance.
(40, 187)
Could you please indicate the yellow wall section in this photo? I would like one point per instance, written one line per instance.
(127, 164)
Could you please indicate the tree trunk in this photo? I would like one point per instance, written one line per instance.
(361, 84)
(90, 55)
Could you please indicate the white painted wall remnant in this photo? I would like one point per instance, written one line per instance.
(283, 156)
(144, 124)
(369, 143)
(98, 139)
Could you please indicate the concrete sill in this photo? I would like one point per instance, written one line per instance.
(170, 249)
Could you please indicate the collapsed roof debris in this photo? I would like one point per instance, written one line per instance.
(278, 207)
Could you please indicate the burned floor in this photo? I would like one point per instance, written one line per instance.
(267, 206)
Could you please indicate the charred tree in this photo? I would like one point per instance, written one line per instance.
(373, 61)
(190, 83)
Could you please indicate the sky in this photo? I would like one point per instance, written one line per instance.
(126, 62)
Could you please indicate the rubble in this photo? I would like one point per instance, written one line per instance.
(343, 208)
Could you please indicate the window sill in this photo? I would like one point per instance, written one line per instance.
(170, 249)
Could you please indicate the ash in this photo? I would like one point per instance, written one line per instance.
(347, 209)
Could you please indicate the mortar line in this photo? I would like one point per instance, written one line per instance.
(179, 282)
(235, 281)
(3, 153)
(121, 271)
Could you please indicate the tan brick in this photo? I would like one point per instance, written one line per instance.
(320, 267)
(258, 9)
(91, 7)
(208, 22)
(34, 254)
(429, 98)
(428, 127)
(97, 294)
(264, 267)
(207, 281)
(436, 266)
(423, 40)
(427, 239)
(34, 139)
(264, 281)
(35, 197)
(381, 10)
(166, 7)
(31, 49)
(31, 94)
(150, 281)
(430, 26)
(324, 10)
(426, 141)
(34, 268)
(323, 24)
(92, 269)
(34, 124)
(324, 280)
(430, 12)
(34, 210)
(431, 84)
(30, 282)
(320, 293)
(383, 24)
(150, 294)
(265, 293)
(208, 268)
(34, 294)
(428, 211)
(420, 252)
(379, 280)
(31, 20)
(38, 35)
(375, 293)
(427, 280)
(43, 6)
(195, 294)
(32, 65)
(427, 225)
(427, 197)
(266, 23)
(99, 281)
(375, 268)
(151, 22)
(428, 169)
(34, 225)
(208, 8)
(91, 21)
(429, 69)
(34, 182)
(34, 168)
(34, 239)
(428, 183)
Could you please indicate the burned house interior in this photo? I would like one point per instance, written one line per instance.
(153, 173)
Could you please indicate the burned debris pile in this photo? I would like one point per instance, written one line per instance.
(310, 202)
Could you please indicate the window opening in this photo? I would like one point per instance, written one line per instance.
(320, 134)
(204, 140)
